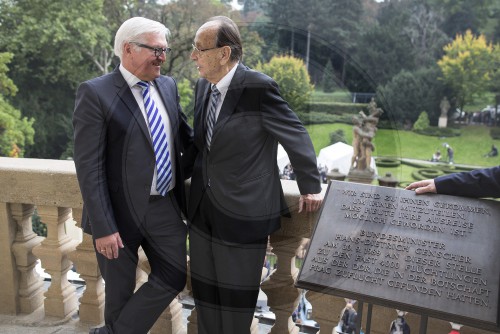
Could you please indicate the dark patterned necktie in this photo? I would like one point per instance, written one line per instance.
(214, 99)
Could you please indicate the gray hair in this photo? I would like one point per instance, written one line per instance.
(133, 29)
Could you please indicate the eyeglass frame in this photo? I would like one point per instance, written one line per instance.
(157, 51)
(199, 52)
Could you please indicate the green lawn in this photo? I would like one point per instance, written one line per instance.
(470, 147)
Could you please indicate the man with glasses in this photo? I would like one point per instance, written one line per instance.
(129, 135)
(236, 199)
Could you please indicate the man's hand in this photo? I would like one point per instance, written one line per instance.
(311, 202)
(109, 245)
(422, 187)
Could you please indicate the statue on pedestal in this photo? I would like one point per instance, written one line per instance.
(443, 118)
(445, 106)
(364, 129)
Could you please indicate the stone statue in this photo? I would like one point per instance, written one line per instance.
(364, 129)
(445, 106)
(361, 139)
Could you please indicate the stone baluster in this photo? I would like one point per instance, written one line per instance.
(30, 282)
(91, 310)
(326, 310)
(282, 296)
(61, 300)
(192, 325)
(9, 279)
(192, 320)
(170, 321)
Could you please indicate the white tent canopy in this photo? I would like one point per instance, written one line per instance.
(337, 155)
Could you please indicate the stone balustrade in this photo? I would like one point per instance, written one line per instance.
(50, 187)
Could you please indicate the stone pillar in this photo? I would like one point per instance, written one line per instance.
(9, 279)
(170, 321)
(61, 301)
(335, 174)
(254, 327)
(30, 282)
(282, 296)
(91, 310)
(388, 180)
(192, 325)
(443, 122)
(326, 310)
(192, 320)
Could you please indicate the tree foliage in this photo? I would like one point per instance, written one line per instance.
(56, 45)
(15, 131)
(422, 122)
(291, 75)
(328, 83)
(466, 66)
(408, 93)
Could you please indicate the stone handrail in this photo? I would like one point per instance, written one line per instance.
(51, 187)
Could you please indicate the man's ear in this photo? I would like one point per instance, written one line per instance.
(127, 48)
(226, 54)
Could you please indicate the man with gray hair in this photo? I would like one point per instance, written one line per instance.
(129, 135)
(236, 200)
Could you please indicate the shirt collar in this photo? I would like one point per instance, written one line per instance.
(131, 79)
(224, 83)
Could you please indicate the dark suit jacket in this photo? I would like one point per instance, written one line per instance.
(476, 183)
(113, 153)
(240, 173)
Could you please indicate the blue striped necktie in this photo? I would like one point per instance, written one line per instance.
(159, 138)
(214, 99)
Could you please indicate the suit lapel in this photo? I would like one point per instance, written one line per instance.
(201, 106)
(125, 94)
(231, 100)
(166, 95)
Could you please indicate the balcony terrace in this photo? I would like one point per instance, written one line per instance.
(30, 305)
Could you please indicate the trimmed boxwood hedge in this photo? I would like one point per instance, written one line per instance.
(426, 173)
(387, 162)
(495, 133)
(439, 132)
(335, 108)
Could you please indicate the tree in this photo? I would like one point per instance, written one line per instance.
(424, 33)
(293, 80)
(295, 26)
(384, 49)
(15, 131)
(466, 67)
(462, 15)
(422, 122)
(56, 46)
(328, 82)
(408, 93)
(495, 78)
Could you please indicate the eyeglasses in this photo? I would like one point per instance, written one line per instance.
(157, 51)
(198, 51)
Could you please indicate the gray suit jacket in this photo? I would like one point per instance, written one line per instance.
(240, 173)
(113, 153)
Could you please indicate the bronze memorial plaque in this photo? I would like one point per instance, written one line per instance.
(432, 254)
